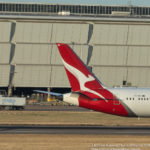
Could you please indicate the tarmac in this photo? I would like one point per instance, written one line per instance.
(77, 130)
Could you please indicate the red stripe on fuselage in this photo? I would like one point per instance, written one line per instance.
(103, 106)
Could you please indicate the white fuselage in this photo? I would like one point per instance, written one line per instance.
(136, 99)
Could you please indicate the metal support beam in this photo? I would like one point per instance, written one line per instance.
(90, 49)
(12, 53)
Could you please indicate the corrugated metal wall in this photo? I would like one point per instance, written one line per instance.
(116, 51)
(5, 47)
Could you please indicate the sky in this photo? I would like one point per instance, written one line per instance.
(94, 2)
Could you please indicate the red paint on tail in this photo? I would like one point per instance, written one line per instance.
(84, 82)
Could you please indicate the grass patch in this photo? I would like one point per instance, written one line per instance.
(73, 142)
(68, 118)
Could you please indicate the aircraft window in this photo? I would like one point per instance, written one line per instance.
(138, 98)
(127, 98)
(130, 98)
(133, 98)
(141, 98)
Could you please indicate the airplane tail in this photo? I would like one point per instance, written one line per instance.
(81, 79)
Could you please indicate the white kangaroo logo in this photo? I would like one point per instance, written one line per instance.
(82, 79)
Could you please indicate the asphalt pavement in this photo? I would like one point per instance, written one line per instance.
(84, 130)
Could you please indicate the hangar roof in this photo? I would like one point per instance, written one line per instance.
(93, 2)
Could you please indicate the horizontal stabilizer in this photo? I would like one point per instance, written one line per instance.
(51, 93)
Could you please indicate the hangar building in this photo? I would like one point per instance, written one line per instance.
(113, 40)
